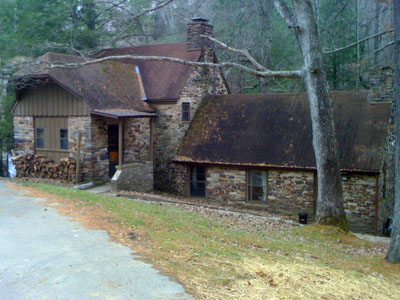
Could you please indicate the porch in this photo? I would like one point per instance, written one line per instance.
(129, 147)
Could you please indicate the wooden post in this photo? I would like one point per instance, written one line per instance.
(78, 154)
(377, 205)
(120, 141)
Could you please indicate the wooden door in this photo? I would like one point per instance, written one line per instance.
(112, 148)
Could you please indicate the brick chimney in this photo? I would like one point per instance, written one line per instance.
(195, 41)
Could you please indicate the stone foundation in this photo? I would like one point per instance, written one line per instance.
(24, 135)
(134, 176)
(359, 202)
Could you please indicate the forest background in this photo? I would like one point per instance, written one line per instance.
(29, 28)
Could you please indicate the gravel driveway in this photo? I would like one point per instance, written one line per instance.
(44, 255)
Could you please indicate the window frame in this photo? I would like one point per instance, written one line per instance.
(185, 111)
(65, 139)
(197, 181)
(251, 185)
(40, 136)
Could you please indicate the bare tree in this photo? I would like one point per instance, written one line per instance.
(393, 255)
(301, 19)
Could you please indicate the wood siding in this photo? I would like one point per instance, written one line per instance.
(51, 128)
(50, 101)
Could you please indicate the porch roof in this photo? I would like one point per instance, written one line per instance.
(121, 113)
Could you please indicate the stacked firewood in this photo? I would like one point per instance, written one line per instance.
(39, 166)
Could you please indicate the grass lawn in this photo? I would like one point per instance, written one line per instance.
(214, 261)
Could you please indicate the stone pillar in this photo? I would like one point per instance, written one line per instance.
(93, 147)
(24, 135)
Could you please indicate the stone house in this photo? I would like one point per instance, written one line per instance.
(129, 115)
(150, 124)
(256, 151)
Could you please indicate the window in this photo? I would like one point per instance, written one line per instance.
(64, 139)
(51, 137)
(185, 111)
(257, 185)
(198, 181)
(39, 138)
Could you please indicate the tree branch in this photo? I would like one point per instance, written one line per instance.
(384, 47)
(266, 73)
(334, 17)
(357, 42)
(135, 17)
(244, 52)
(285, 13)
(380, 49)
(113, 5)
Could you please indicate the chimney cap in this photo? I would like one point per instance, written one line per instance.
(199, 20)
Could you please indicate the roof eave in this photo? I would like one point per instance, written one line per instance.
(271, 166)
(115, 116)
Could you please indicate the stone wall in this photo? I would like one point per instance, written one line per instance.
(182, 179)
(226, 184)
(291, 192)
(134, 176)
(94, 146)
(359, 202)
(137, 132)
(381, 85)
(170, 129)
(24, 135)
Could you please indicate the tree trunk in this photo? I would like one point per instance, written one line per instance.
(377, 23)
(393, 255)
(330, 209)
(265, 7)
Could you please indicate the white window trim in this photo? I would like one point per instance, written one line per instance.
(264, 185)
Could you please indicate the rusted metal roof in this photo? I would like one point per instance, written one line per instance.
(121, 113)
(106, 85)
(162, 80)
(274, 130)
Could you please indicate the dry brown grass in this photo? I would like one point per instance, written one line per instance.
(291, 279)
(216, 262)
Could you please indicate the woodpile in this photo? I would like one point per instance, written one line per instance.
(39, 166)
